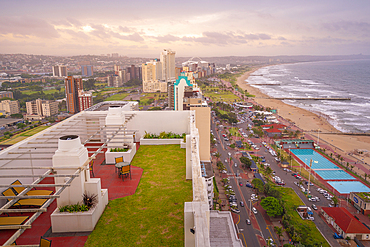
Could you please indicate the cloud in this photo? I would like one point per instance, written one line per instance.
(125, 29)
(78, 35)
(167, 38)
(281, 38)
(357, 29)
(226, 38)
(27, 26)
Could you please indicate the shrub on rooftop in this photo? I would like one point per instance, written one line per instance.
(164, 135)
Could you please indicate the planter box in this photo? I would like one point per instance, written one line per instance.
(80, 221)
(160, 141)
(127, 156)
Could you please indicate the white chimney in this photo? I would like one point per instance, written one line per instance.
(71, 153)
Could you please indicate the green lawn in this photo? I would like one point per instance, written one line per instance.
(23, 135)
(225, 96)
(51, 91)
(119, 96)
(154, 215)
(235, 132)
(306, 228)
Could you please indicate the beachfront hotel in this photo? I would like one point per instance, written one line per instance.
(62, 154)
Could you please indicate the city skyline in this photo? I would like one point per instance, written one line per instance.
(207, 28)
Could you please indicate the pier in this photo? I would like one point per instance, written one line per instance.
(341, 133)
(266, 84)
(306, 98)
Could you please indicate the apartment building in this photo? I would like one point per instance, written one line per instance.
(167, 58)
(59, 71)
(39, 109)
(6, 94)
(85, 100)
(9, 106)
(87, 70)
(72, 88)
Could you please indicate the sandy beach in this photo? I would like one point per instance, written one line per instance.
(308, 121)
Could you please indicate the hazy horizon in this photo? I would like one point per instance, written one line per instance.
(198, 28)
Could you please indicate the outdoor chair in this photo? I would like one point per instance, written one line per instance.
(23, 202)
(45, 242)
(91, 168)
(35, 192)
(125, 171)
(118, 160)
(13, 220)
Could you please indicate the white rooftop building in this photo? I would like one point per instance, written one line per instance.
(59, 152)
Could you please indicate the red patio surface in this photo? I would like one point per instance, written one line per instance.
(117, 188)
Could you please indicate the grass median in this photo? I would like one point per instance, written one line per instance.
(306, 229)
(154, 215)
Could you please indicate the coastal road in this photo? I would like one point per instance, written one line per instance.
(256, 233)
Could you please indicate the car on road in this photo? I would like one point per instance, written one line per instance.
(248, 185)
(254, 210)
(235, 210)
(248, 221)
(240, 184)
(241, 203)
(229, 153)
(314, 207)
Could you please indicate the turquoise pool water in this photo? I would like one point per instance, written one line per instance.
(345, 187)
(318, 161)
(334, 175)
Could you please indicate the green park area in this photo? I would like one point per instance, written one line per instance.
(154, 215)
(223, 96)
(51, 91)
(20, 137)
(118, 96)
(235, 132)
(303, 231)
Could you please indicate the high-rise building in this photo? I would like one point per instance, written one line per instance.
(72, 88)
(134, 72)
(87, 70)
(168, 65)
(85, 100)
(152, 77)
(116, 68)
(114, 81)
(59, 71)
(9, 106)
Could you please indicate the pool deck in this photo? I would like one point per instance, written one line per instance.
(335, 174)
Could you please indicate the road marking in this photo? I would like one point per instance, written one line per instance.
(271, 233)
(244, 240)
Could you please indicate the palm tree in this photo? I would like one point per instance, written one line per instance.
(218, 155)
(365, 176)
(279, 231)
(352, 167)
(341, 160)
(347, 165)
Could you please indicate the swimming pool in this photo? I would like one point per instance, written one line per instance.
(321, 165)
(318, 161)
(345, 187)
(334, 175)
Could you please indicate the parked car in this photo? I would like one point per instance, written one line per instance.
(314, 207)
(254, 210)
(241, 203)
(248, 221)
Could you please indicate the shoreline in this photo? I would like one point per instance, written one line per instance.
(308, 121)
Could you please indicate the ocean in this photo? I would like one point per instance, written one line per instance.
(349, 78)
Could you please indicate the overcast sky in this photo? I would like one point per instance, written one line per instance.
(191, 28)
